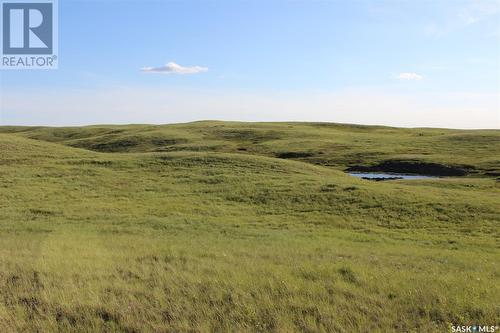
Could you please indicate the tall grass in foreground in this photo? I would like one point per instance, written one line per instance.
(220, 242)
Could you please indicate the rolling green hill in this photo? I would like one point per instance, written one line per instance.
(333, 145)
(247, 227)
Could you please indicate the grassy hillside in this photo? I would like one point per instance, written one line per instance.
(200, 227)
(333, 145)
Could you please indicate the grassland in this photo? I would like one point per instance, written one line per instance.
(242, 227)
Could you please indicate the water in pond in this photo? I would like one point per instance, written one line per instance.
(387, 176)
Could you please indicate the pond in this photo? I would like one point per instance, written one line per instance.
(387, 176)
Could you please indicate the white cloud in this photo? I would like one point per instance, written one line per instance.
(478, 11)
(462, 16)
(410, 76)
(173, 68)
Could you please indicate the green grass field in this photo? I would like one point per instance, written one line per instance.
(246, 227)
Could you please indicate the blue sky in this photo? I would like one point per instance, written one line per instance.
(403, 63)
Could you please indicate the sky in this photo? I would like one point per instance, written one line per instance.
(399, 63)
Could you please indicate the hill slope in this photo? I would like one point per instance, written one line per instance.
(164, 238)
(335, 145)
